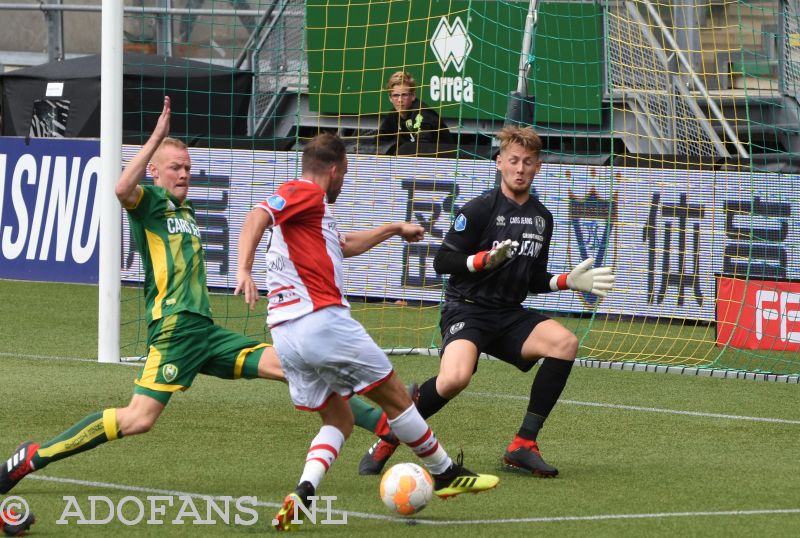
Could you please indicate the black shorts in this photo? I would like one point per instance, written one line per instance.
(500, 332)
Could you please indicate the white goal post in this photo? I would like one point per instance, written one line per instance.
(108, 326)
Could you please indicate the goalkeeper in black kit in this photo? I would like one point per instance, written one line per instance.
(496, 253)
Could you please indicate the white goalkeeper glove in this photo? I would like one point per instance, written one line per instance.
(489, 259)
(597, 281)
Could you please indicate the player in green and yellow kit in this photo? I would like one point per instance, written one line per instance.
(182, 339)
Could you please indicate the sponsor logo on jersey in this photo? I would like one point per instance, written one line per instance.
(276, 202)
(169, 372)
(529, 248)
(176, 225)
(284, 296)
(501, 220)
(461, 223)
(593, 220)
(456, 327)
(540, 224)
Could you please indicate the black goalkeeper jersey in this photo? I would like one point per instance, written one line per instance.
(481, 224)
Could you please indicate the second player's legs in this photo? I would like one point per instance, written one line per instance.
(410, 428)
(175, 355)
(269, 366)
(456, 368)
(457, 365)
(139, 416)
(558, 347)
(550, 339)
(337, 424)
(391, 395)
(89, 432)
(408, 425)
(458, 362)
(337, 413)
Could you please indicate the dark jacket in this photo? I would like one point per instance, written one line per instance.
(421, 125)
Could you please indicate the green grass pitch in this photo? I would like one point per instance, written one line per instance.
(639, 454)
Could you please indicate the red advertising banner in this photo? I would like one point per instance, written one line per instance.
(758, 314)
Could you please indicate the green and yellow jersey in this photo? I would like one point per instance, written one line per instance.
(168, 240)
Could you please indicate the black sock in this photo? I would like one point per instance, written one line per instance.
(546, 388)
(531, 425)
(430, 402)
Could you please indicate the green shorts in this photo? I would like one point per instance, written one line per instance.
(182, 345)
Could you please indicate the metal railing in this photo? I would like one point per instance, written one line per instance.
(53, 11)
(273, 50)
(638, 66)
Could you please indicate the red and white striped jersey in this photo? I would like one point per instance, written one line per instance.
(304, 259)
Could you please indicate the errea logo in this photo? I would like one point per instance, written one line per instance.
(451, 45)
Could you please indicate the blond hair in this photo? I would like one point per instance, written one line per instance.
(174, 142)
(167, 142)
(401, 78)
(524, 136)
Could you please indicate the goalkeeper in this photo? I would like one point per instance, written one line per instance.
(496, 253)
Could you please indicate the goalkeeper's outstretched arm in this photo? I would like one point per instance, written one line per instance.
(452, 262)
(595, 280)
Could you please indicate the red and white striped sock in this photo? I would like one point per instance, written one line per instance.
(412, 430)
(323, 451)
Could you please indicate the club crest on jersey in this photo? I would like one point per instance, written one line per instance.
(593, 221)
(540, 224)
(276, 202)
(461, 223)
(454, 328)
(169, 372)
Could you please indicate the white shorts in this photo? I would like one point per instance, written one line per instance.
(327, 352)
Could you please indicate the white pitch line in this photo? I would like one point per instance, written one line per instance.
(44, 357)
(59, 358)
(702, 414)
(645, 409)
(606, 517)
(679, 412)
(365, 515)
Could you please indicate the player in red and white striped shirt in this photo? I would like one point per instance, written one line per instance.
(325, 354)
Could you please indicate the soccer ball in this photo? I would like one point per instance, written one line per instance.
(406, 488)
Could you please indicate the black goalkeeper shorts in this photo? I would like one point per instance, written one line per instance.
(498, 332)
